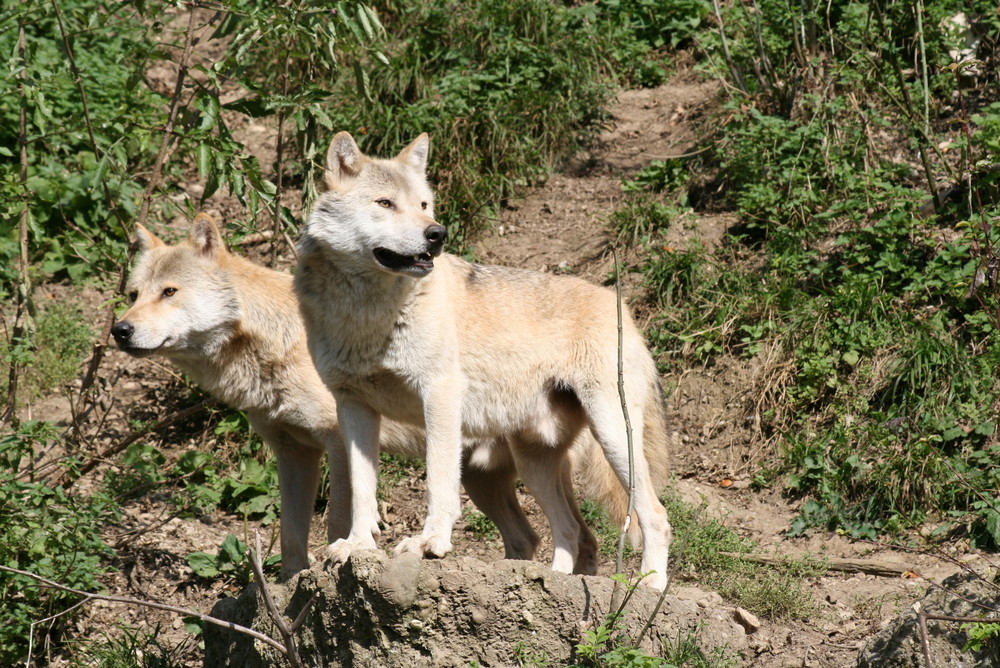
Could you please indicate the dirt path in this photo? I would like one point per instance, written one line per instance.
(562, 226)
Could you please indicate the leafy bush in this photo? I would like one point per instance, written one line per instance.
(48, 532)
(887, 391)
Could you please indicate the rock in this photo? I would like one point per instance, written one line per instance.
(406, 612)
(898, 644)
(746, 619)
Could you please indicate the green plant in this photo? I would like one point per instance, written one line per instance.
(980, 636)
(392, 470)
(230, 561)
(128, 647)
(608, 646)
(605, 532)
(479, 524)
(46, 531)
(525, 657)
(775, 592)
(55, 352)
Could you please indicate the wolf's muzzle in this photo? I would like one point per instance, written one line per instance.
(435, 236)
(122, 331)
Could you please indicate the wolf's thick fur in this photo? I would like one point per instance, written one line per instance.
(235, 328)
(398, 329)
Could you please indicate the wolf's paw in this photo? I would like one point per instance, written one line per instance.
(425, 546)
(338, 551)
(657, 581)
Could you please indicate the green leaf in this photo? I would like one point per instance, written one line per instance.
(993, 524)
(232, 550)
(361, 77)
(203, 564)
(228, 26)
(365, 23)
(204, 160)
(254, 107)
(373, 18)
(952, 433)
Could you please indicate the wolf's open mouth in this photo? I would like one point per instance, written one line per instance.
(397, 262)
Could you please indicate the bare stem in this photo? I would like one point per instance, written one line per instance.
(23, 319)
(619, 559)
(88, 596)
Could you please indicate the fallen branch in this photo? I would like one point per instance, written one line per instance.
(71, 476)
(922, 617)
(286, 630)
(88, 596)
(868, 566)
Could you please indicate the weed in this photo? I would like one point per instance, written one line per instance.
(526, 657)
(609, 646)
(981, 636)
(606, 533)
(128, 647)
(479, 524)
(392, 470)
(48, 532)
(230, 562)
(56, 352)
(775, 592)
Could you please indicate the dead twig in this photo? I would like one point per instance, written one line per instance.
(922, 618)
(89, 596)
(71, 476)
(286, 630)
(868, 566)
(167, 147)
(619, 559)
(24, 314)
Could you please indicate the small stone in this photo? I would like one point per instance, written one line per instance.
(746, 619)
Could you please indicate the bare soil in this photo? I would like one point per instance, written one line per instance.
(560, 226)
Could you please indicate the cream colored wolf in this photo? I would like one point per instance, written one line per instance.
(235, 328)
(399, 329)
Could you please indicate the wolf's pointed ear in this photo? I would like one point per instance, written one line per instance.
(145, 240)
(343, 159)
(415, 155)
(205, 236)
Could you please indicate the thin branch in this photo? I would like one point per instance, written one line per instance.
(167, 146)
(70, 477)
(287, 631)
(23, 319)
(149, 604)
(619, 559)
(737, 77)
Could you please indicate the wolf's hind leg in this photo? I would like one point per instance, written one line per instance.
(546, 472)
(492, 490)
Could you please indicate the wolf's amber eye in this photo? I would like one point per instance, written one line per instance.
(384, 203)
(132, 296)
(169, 292)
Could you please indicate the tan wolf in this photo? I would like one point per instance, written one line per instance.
(399, 329)
(235, 328)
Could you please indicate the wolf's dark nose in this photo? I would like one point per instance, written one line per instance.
(435, 235)
(122, 331)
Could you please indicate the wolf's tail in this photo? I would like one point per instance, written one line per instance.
(597, 480)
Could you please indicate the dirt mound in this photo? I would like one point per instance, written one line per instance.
(899, 643)
(406, 612)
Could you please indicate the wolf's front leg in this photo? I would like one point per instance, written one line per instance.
(359, 425)
(442, 414)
